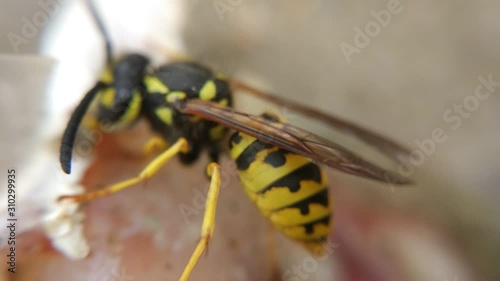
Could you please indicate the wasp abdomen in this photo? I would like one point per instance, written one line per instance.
(289, 189)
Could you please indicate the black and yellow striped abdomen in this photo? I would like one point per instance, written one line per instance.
(289, 189)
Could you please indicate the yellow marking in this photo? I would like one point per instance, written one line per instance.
(150, 170)
(208, 226)
(154, 85)
(165, 115)
(260, 174)
(133, 110)
(107, 76)
(273, 203)
(90, 122)
(174, 96)
(299, 232)
(224, 102)
(240, 147)
(292, 216)
(208, 91)
(107, 97)
(280, 197)
(217, 132)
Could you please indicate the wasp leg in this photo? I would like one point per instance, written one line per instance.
(152, 168)
(154, 144)
(207, 228)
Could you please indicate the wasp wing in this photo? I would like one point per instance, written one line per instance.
(291, 138)
(383, 144)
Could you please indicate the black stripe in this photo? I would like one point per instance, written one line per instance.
(310, 225)
(248, 155)
(318, 198)
(276, 158)
(321, 239)
(223, 91)
(309, 171)
(235, 138)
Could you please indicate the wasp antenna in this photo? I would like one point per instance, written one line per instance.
(69, 135)
(102, 30)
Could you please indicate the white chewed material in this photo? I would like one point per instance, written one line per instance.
(78, 49)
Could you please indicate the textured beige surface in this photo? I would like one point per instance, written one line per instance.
(427, 59)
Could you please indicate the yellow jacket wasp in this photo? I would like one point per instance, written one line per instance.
(189, 106)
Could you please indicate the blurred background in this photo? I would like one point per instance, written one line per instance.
(424, 73)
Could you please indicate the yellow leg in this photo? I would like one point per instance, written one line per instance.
(152, 168)
(155, 144)
(207, 229)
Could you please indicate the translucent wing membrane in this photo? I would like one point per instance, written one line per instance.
(386, 146)
(291, 138)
